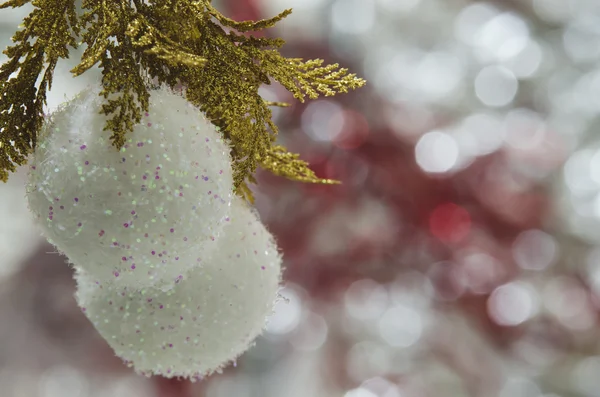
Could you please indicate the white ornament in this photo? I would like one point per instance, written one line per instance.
(207, 320)
(138, 217)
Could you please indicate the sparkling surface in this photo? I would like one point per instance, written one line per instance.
(209, 319)
(108, 210)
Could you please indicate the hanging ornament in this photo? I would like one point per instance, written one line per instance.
(135, 186)
(141, 216)
(209, 319)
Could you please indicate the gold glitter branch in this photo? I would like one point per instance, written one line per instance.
(175, 42)
(51, 27)
(124, 86)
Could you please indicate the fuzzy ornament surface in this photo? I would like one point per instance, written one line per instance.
(207, 320)
(141, 216)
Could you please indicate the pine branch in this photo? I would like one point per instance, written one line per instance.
(51, 26)
(101, 23)
(125, 91)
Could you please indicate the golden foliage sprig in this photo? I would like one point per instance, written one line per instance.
(47, 33)
(175, 42)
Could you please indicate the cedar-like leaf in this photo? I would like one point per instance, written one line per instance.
(47, 33)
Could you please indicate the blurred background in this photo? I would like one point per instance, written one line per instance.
(459, 258)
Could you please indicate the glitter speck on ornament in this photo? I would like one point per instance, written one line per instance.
(134, 218)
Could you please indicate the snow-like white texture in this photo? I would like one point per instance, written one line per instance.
(139, 217)
(207, 320)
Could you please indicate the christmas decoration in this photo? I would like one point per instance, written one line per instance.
(174, 42)
(209, 319)
(134, 183)
(141, 216)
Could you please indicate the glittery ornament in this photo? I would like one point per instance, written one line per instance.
(207, 320)
(140, 216)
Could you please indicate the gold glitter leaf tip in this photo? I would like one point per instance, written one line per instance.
(14, 3)
(246, 26)
(153, 42)
(283, 163)
(178, 43)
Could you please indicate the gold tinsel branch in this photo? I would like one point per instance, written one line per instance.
(174, 42)
(46, 35)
